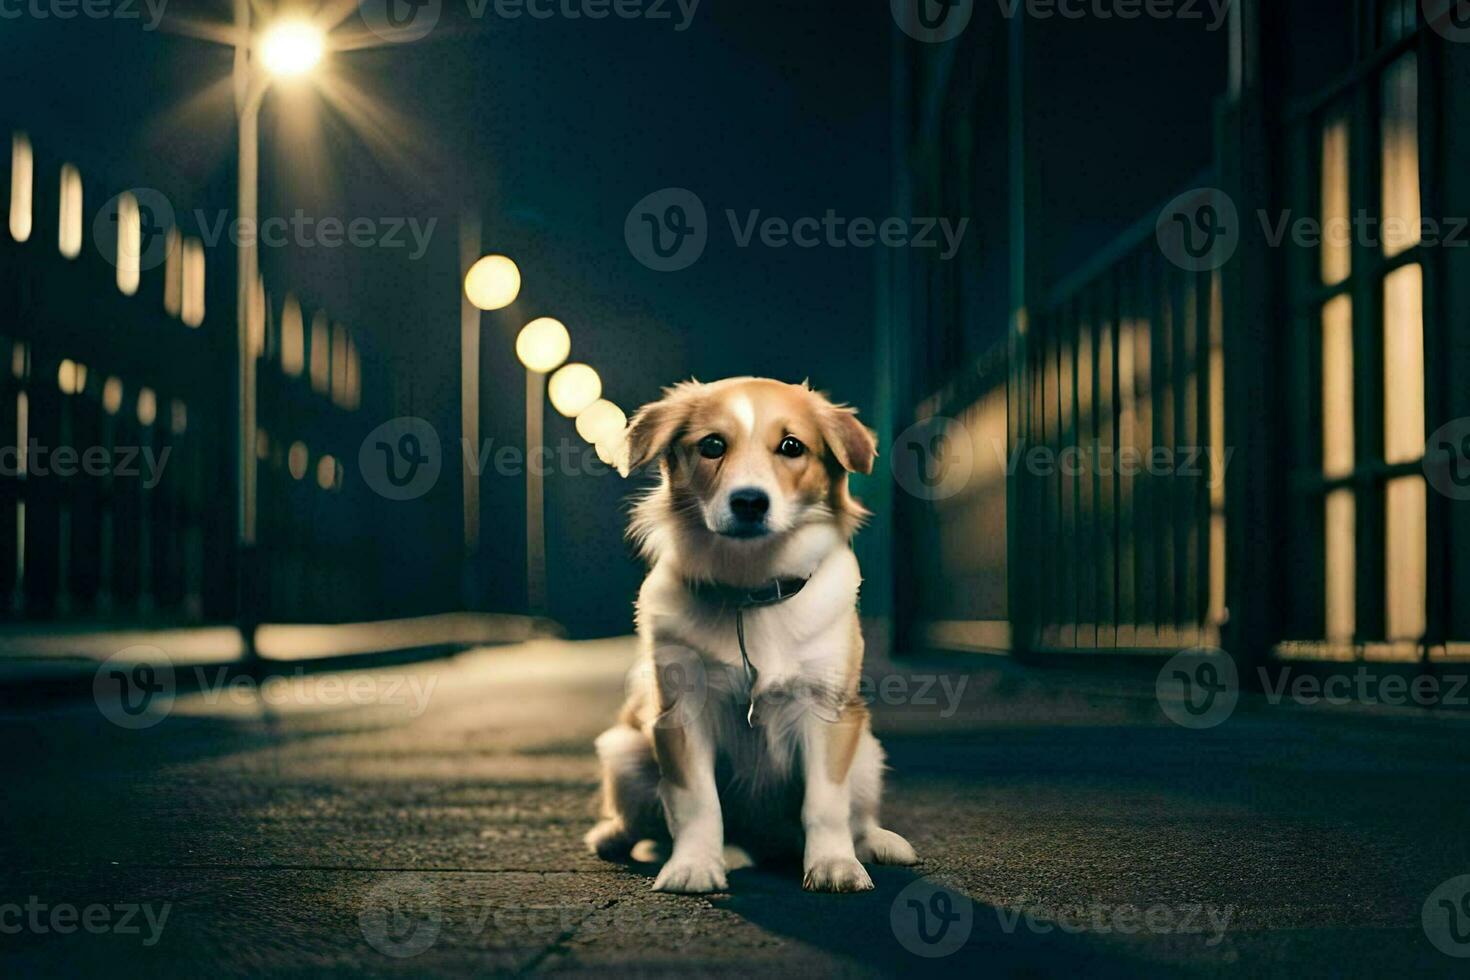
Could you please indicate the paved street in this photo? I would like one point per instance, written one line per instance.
(323, 824)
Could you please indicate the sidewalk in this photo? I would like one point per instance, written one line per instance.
(296, 831)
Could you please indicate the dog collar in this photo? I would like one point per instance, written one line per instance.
(740, 599)
(736, 597)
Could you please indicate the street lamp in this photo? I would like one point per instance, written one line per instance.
(493, 283)
(288, 49)
(542, 345)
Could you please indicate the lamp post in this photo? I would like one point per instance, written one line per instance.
(542, 345)
(288, 49)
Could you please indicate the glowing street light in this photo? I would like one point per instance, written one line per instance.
(292, 48)
(573, 389)
(543, 345)
(600, 421)
(493, 282)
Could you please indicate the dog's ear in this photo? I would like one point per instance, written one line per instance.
(854, 445)
(655, 426)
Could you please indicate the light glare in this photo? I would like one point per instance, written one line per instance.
(293, 48)
(543, 345)
(573, 389)
(493, 283)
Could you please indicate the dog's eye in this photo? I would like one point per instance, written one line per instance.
(712, 447)
(791, 447)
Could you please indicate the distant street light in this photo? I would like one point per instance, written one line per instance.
(493, 283)
(573, 389)
(600, 421)
(543, 345)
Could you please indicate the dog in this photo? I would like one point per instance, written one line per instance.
(743, 720)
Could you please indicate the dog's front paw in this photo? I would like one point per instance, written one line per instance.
(691, 876)
(880, 846)
(836, 874)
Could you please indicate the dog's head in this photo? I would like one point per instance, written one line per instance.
(750, 460)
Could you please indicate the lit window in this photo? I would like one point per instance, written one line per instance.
(320, 355)
(293, 354)
(1403, 365)
(191, 309)
(339, 365)
(112, 395)
(1341, 559)
(21, 165)
(129, 243)
(69, 223)
(1337, 387)
(147, 406)
(66, 377)
(1405, 547)
(178, 416)
(354, 376)
(326, 472)
(1401, 214)
(20, 360)
(173, 274)
(1337, 244)
(297, 459)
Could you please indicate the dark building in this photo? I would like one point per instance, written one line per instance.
(1227, 417)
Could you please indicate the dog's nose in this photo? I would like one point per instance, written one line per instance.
(749, 504)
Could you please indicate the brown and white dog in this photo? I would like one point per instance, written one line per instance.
(743, 720)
